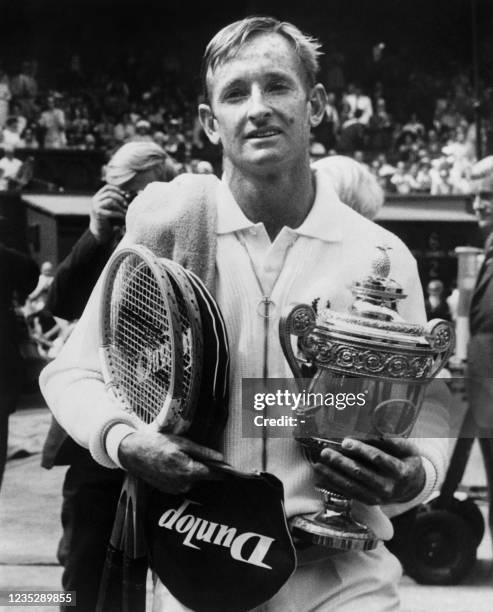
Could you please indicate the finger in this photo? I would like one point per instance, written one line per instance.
(355, 470)
(110, 214)
(397, 447)
(197, 451)
(112, 202)
(374, 456)
(111, 189)
(334, 481)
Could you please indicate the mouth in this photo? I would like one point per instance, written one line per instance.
(263, 133)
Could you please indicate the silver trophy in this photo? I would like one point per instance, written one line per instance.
(372, 351)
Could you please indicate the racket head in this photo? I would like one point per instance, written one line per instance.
(141, 347)
(190, 332)
(212, 409)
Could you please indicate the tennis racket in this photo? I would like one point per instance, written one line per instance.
(158, 326)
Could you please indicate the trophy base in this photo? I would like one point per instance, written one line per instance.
(338, 531)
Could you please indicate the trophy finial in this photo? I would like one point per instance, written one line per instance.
(380, 266)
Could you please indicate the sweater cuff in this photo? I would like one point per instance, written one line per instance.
(114, 438)
(97, 441)
(431, 482)
(431, 479)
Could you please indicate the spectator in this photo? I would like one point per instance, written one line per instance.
(356, 100)
(9, 169)
(5, 97)
(37, 299)
(440, 178)
(435, 303)
(29, 138)
(52, 121)
(352, 134)
(18, 276)
(402, 180)
(142, 131)
(326, 132)
(10, 134)
(423, 177)
(24, 88)
(204, 167)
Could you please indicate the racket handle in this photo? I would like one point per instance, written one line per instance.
(134, 584)
(226, 468)
(110, 586)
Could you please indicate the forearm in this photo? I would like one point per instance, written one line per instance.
(74, 388)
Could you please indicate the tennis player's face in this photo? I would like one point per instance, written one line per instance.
(261, 109)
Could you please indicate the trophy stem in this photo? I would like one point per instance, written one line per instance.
(334, 526)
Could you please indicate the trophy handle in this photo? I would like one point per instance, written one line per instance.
(296, 321)
(441, 336)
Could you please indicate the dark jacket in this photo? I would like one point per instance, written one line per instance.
(76, 276)
(18, 277)
(480, 352)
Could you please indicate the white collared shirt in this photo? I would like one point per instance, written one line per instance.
(318, 260)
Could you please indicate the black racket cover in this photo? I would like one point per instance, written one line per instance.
(224, 546)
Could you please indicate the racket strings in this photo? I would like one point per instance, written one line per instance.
(141, 347)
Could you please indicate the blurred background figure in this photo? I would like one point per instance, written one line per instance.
(18, 277)
(52, 122)
(37, 299)
(10, 167)
(435, 303)
(5, 97)
(355, 185)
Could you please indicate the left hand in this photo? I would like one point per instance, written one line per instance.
(373, 472)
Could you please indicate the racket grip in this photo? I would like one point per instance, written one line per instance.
(110, 586)
(226, 468)
(134, 584)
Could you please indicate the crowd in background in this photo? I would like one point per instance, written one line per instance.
(423, 141)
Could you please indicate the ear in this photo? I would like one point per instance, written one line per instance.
(209, 123)
(317, 101)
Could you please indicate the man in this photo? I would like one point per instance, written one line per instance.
(9, 168)
(52, 121)
(480, 350)
(18, 277)
(91, 491)
(274, 234)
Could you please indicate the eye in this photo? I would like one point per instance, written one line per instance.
(235, 94)
(277, 86)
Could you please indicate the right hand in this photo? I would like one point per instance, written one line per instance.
(169, 463)
(108, 208)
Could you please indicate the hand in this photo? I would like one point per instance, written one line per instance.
(108, 207)
(373, 472)
(169, 463)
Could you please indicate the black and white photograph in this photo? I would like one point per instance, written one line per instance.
(246, 317)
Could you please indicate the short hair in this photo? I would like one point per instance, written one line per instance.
(135, 157)
(482, 175)
(228, 41)
(354, 184)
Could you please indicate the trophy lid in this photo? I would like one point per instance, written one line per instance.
(373, 314)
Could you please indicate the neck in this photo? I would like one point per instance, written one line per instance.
(276, 200)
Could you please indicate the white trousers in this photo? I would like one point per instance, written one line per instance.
(346, 582)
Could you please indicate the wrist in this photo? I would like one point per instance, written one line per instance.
(114, 439)
(101, 234)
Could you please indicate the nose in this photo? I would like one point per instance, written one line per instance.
(478, 203)
(259, 109)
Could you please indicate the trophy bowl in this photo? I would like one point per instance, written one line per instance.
(382, 360)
